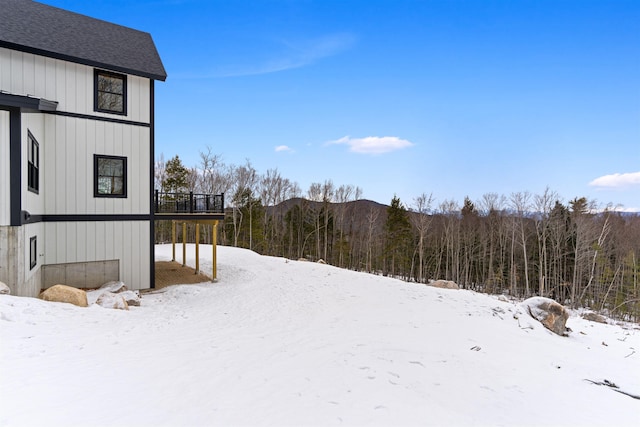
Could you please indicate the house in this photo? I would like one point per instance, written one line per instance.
(77, 203)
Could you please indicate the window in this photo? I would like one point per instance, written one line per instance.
(33, 252)
(110, 176)
(110, 92)
(33, 168)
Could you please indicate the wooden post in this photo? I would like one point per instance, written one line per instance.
(184, 244)
(173, 240)
(214, 242)
(197, 247)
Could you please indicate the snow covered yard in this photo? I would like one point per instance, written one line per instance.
(278, 342)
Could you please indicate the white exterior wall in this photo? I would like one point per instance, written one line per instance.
(126, 241)
(5, 187)
(71, 85)
(69, 159)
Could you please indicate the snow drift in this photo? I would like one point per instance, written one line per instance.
(278, 342)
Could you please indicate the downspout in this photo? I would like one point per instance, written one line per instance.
(152, 231)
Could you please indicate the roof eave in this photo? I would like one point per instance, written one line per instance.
(83, 61)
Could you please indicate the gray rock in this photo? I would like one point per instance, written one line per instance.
(4, 289)
(111, 300)
(594, 317)
(115, 287)
(548, 312)
(444, 284)
(131, 297)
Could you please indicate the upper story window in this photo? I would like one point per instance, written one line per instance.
(110, 92)
(33, 168)
(110, 176)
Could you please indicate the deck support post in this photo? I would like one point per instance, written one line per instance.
(173, 241)
(214, 243)
(197, 247)
(184, 244)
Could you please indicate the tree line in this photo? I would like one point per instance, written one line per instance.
(521, 244)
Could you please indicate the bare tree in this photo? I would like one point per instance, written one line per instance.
(372, 220)
(343, 196)
(216, 176)
(494, 239)
(327, 198)
(159, 172)
(421, 221)
(314, 194)
(449, 210)
(246, 179)
(274, 189)
(520, 203)
(596, 247)
(584, 234)
(542, 205)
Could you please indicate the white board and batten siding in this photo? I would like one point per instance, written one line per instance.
(125, 241)
(71, 166)
(69, 84)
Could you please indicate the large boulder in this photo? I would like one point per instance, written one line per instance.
(4, 289)
(548, 312)
(64, 293)
(444, 284)
(111, 300)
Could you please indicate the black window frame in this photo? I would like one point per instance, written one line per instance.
(33, 164)
(96, 176)
(96, 92)
(33, 252)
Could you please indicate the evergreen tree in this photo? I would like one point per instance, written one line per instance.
(398, 239)
(176, 176)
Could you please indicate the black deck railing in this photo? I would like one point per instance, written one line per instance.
(188, 203)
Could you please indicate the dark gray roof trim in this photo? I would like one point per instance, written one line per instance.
(26, 102)
(44, 30)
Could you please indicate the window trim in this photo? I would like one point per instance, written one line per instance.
(96, 193)
(96, 92)
(33, 168)
(33, 252)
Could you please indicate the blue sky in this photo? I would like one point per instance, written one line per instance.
(453, 98)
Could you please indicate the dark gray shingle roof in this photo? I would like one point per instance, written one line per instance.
(33, 27)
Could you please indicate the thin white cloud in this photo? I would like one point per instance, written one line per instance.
(373, 144)
(281, 148)
(625, 209)
(617, 180)
(292, 55)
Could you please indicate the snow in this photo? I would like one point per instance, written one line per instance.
(278, 342)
